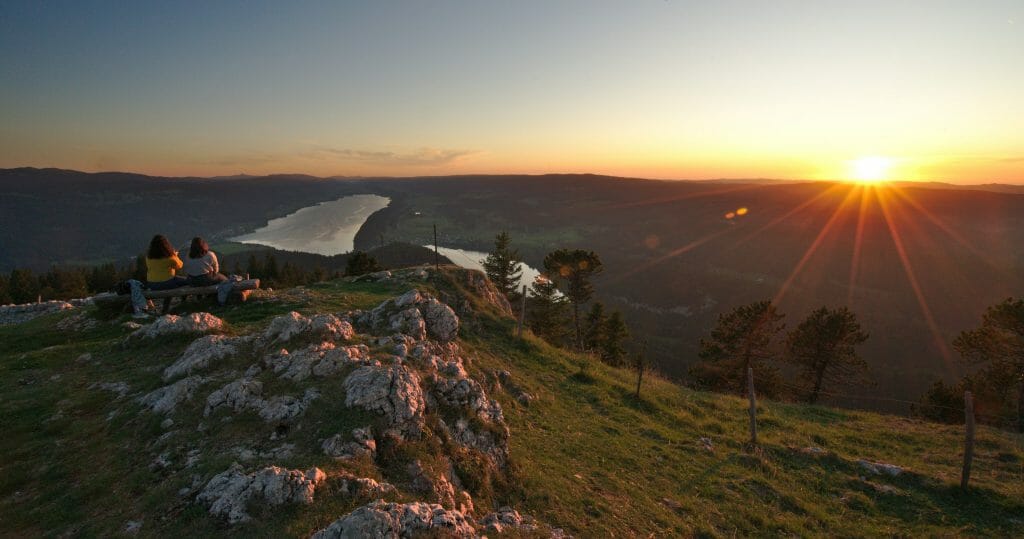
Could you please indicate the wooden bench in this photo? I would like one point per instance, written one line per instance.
(240, 291)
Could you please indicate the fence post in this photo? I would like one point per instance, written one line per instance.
(965, 477)
(753, 406)
(522, 314)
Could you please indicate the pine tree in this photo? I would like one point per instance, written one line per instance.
(270, 267)
(594, 333)
(823, 346)
(998, 344)
(23, 286)
(503, 266)
(744, 338)
(253, 267)
(573, 271)
(360, 263)
(547, 312)
(612, 344)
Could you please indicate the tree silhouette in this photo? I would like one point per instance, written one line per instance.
(999, 344)
(503, 266)
(547, 311)
(361, 263)
(823, 346)
(573, 270)
(613, 340)
(594, 333)
(744, 338)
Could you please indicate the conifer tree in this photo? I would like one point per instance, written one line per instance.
(744, 338)
(547, 312)
(503, 266)
(23, 286)
(612, 344)
(998, 344)
(595, 327)
(360, 263)
(823, 346)
(573, 270)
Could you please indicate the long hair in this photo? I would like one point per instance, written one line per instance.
(159, 248)
(198, 248)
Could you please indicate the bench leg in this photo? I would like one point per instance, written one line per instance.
(167, 305)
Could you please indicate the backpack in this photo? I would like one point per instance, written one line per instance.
(122, 288)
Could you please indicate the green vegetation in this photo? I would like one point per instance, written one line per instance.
(503, 266)
(587, 455)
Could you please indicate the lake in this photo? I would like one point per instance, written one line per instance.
(329, 228)
(474, 260)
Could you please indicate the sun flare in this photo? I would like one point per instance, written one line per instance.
(870, 169)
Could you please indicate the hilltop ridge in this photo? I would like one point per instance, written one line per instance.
(403, 403)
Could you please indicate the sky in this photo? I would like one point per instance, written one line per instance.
(659, 89)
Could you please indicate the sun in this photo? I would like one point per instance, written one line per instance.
(870, 169)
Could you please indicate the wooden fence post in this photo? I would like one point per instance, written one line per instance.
(965, 477)
(522, 314)
(753, 406)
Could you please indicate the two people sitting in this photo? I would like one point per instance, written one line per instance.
(200, 267)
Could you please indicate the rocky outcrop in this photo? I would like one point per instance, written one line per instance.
(415, 314)
(17, 314)
(394, 392)
(324, 359)
(165, 399)
(363, 444)
(486, 290)
(247, 394)
(436, 487)
(201, 353)
(505, 519)
(229, 492)
(289, 326)
(170, 324)
(393, 520)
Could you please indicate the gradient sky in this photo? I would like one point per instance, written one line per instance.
(666, 89)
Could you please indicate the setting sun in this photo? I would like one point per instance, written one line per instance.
(870, 169)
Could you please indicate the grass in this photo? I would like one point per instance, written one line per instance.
(586, 455)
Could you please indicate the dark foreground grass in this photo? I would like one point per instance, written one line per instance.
(587, 455)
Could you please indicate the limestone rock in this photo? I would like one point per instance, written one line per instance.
(247, 394)
(493, 445)
(394, 392)
(165, 399)
(286, 327)
(324, 359)
(393, 520)
(442, 323)
(414, 314)
(880, 468)
(506, 518)
(170, 324)
(200, 353)
(437, 487)
(229, 492)
(486, 290)
(120, 388)
(364, 444)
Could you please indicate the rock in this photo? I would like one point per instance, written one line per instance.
(880, 468)
(229, 492)
(381, 519)
(324, 359)
(485, 289)
(468, 393)
(706, 444)
(120, 388)
(494, 445)
(505, 518)
(364, 444)
(442, 323)
(80, 321)
(170, 324)
(364, 487)
(246, 394)
(394, 392)
(437, 487)
(241, 394)
(17, 314)
(286, 327)
(131, 325)
(165, 399)
(200, 353)
(84, 358)
(132, 527)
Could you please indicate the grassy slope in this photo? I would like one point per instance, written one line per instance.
(587, 456)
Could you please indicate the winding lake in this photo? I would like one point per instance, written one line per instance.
(329, 228)
(474, 260)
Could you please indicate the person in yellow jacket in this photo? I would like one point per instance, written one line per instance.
(162, 263)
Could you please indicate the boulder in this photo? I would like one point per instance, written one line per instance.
(381, 519)
(880, 468)
(288, 326)
(442, 323)
(324, 359)
(485, 289)
(415, 314)
(436, 486)
(364, 444)
(394, 392)
(165, 399)
(229, 492)
(506, 518)
(247, 394)
(200, 353)
(170, 324)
